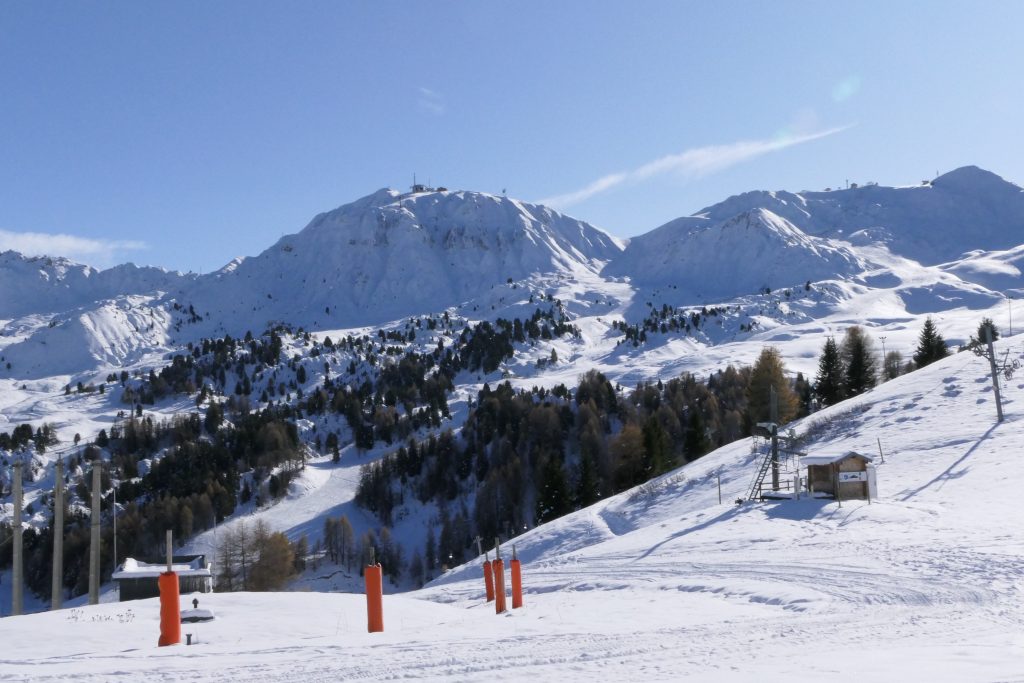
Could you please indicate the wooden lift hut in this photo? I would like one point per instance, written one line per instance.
(852, 473)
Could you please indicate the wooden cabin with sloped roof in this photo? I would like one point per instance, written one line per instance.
(850, 475)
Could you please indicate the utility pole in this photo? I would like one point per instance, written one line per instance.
(94, 541)
(57, 587)
(995, 375)
(18, 578)
(773, 408)
(113, 519)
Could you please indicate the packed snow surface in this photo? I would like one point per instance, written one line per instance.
(664, 582)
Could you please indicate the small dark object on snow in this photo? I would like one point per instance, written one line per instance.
(195, 603)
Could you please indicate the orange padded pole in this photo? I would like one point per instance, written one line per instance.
(488, 580)
(517, 585)
(170, 609)
(374, 598)
(498, 567)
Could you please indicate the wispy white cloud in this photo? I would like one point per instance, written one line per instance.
(96, 252)
(430, 101)
(692, 163)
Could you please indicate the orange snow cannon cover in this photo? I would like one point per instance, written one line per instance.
(170, 609)
(374, 598)
(517, 584)
(498, 566)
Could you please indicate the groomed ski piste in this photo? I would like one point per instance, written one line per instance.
(663, 582)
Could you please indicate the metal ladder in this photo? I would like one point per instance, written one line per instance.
(755, 487)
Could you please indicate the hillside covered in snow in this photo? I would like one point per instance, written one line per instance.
(413, 370)
(664, 581)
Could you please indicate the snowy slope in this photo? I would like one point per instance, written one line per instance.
(998, 270)
(664, 582)
(113, 333)
(930, 223)
(45, 284)
(390, 255)
(746, 253)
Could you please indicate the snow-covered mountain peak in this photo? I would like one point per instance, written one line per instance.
(764, 224)
(46, 284)
(931, 223)
(753, 250)
(974, 180)
(388, 255)
(452, 219)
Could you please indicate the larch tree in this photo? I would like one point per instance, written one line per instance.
(769, 371)
(892, 365)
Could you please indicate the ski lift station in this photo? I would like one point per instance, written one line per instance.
(851, 476)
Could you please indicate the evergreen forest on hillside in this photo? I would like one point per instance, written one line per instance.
(522, 457)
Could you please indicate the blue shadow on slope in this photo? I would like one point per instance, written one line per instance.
(948, 473)
(728, 514)
(798, 510)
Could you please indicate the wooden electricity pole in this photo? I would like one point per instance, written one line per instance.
(995, 374)
(94, 541)
(57, 587)
(18, 579)
(773, 408)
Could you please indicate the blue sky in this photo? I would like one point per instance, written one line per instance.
(183, 134)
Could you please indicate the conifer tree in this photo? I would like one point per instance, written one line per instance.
(859, 361)
(930, 346)
(587, 490)
(829, 384)
(430, 550)
(980, 338)
(696, 443)
(656, 447)
(553, 497)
